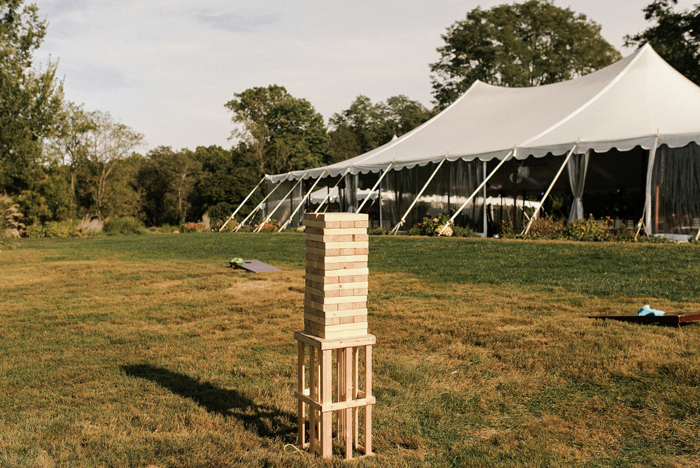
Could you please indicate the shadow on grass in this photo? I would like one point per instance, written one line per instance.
(266, 420)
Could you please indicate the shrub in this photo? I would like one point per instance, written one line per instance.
(547, 228)
(89, 227)
(464, 232)
(432, 226)
(123, 226)
(9, 222)
(60, 229)
(246, 228)
(195, 227)
(587, 229)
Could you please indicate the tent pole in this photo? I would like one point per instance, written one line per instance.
(330, 190)
(650, 171)
(280, 203)
(369, 195)
(546, 194)
(241, 205)
(255, 210)
(403, 218)
(512, 152)
(303, 200)
(486, 225)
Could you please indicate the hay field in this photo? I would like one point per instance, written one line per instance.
(147, 351)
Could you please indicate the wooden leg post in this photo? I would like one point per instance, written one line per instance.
(313, 395)
(368, 393)
(301, 386)
(347, 384)
(327, 416)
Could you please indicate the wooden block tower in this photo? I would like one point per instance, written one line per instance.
(335, 319)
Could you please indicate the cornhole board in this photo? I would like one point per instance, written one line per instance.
(256, 266)
(667, 319)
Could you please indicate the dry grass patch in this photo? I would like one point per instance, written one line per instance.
(119, 362)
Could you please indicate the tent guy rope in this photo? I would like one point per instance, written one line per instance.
(241, 205)
(301, 203)
(255, 210)
(403, 218)
(279, 204)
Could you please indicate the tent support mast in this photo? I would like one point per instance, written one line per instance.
(255, 210)
(546, 194)
(486, 224)
(330, 190)
(369, 195)
(280, 203)
(482, 185)
(403, 218)
(303, 200)
(241, 205)
(650, 173)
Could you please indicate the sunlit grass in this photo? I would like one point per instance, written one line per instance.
(149, 351)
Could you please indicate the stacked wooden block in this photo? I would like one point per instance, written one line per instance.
(337, 247)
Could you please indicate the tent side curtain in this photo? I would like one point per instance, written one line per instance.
(446, 192)
(676, 190)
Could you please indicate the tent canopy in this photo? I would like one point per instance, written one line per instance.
(624, 105)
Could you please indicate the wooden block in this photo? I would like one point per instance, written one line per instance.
(338, 245)
(335, 313)
(321, 266)
(332, 237)
(360, 251)
(317, 231)
(319, 258)
(336, 300)
(326, 321)
(325, 307)
(362, 224)
(340, 216)
(349, 305)
(345, 272)
(323, 224)
(321, 288)
(343, 334)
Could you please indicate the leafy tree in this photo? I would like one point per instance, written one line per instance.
(675, 36)
(364, 125)
(106, 144)
(30, 96)
(167, 179)
(280, 132)
(225, 180)
(523, 44)
(68, 145)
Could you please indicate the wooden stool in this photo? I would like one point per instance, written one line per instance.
(319, 394)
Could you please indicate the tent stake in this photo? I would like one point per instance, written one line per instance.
(512, 152)
(403, 218)
(369, 195)
(546, 194)
(330, 190)
(241, 205)
(280, 203)
(255, 210)
(303, 200)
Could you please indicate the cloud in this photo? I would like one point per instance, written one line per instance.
(233, 22)
(97, 77)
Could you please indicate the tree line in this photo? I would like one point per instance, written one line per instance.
(61, 162)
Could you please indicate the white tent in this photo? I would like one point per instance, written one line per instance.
(621, 106)
(639, 101)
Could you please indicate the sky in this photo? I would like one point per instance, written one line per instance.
(166, 68)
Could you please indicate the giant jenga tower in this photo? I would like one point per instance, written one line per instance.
(335, 319)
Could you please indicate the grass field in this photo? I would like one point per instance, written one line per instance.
(147, 351)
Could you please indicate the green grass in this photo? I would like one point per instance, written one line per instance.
(147, 351)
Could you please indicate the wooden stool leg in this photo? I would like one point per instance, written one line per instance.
(301, 385)
(355, 378)
(313, 396)
(340, 391)
(347, 384)
(368, 393)
(326, 394)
